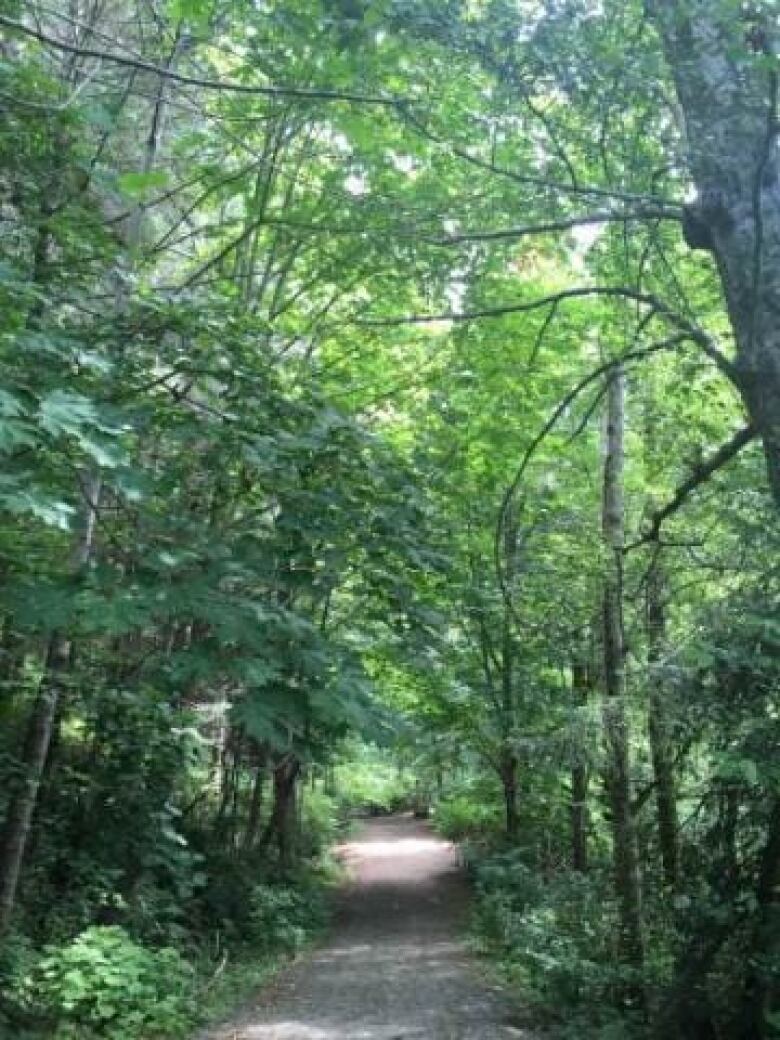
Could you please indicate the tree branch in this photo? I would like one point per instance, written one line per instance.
(598, 373)
(656, 306)
(564, 224)
(699, 476)
(529, 180)
(301, 93)
(500, 310)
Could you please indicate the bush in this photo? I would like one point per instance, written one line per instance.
(369, 781)
(555, 937)
(282, 917)
(463, 816)
(320, 823)
(104, 984)
(17, 959)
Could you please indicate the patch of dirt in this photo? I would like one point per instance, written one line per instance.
(394, 967)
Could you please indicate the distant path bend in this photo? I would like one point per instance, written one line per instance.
(395, 967)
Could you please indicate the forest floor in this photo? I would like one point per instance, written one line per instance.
(395, 966)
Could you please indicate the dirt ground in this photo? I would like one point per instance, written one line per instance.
(395, 967)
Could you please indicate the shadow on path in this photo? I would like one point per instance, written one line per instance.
(394, 968)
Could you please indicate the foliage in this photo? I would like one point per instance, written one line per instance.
(371, 779)
(469, 814)
(311, 316)
(555, 937)
(105, 983)
(283, 917)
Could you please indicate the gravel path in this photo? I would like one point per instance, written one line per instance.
(394, 967)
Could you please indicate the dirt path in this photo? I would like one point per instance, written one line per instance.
(395, 967)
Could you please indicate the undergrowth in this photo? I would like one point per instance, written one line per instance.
(108, 982)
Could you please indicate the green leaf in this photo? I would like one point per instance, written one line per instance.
(139, 185)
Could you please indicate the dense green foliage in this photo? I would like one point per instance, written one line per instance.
(373, 437)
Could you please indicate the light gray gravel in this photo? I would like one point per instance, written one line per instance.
(395, 967)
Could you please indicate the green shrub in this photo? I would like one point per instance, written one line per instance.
(463, 816)
(320, 823)
(554, 936)
(369, 780)
(17, 959)
(104, 984)
(282, 916)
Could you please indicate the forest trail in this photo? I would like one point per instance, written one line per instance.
(395, 967)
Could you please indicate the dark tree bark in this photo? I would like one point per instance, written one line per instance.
(508, 773)
(255, 807)
(281, 824)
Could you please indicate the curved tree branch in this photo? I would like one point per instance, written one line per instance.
(699, 476)
(609, 366)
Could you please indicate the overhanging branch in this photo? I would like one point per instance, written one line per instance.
(639, 354)
(301, 93)
(564, 224)
(503, 309)
(699, 476)
(656, 306)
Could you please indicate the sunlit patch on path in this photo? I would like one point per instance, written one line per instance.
(395, 967)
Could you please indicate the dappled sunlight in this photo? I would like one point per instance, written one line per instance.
(302, 1031)
(395, 969)
(404, 952)
(395, 849)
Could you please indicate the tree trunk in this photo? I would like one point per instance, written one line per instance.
(618, 762)
(16, 832)
(508, 774)
(508, 763)
(661, 745)
(728, 93)
(580, 779)
(281, 824)
(255, 808)
(760, 978)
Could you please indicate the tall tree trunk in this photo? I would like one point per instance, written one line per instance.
(760, 978)
(728, 93)
(508, 764)
(661, 744)
(618, 761)
(580, 778)
(16, 831)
